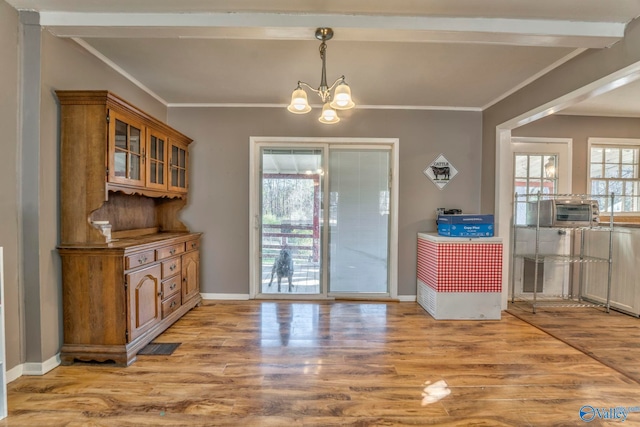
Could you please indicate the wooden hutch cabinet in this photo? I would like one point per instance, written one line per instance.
(130, 267)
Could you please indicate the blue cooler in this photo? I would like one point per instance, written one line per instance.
(465, 225)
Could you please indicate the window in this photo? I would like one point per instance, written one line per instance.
(613, 168)
(533, 174)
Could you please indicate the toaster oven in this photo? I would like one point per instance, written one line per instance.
(563, 212)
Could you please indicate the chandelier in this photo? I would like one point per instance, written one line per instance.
(341, 99)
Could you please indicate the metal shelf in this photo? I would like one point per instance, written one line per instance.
(538, 258)
(564, 303)
(562, 258)
(590, 228)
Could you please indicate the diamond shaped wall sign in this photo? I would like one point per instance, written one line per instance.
(440, 171)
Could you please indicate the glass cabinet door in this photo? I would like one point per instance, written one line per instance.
(178, 166)
(126, 151)
(157, 164)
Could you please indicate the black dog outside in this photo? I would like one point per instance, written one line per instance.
(283, 267)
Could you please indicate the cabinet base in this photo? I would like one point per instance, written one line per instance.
(460, 305)
(122, 355)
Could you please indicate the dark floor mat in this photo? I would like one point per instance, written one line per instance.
(159, 349)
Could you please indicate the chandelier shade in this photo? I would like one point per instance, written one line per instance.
(342, 97)
(329, 115)
(299, 103)
(339, 100)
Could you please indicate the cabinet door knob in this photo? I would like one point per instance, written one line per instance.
(160, 294)
(173, 286)
(193, 245)
(172, 267)
(173, 304)
(172, 251)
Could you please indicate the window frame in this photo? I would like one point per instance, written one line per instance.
(613, 142)
(542, 178)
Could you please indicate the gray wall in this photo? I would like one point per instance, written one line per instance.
(582, 70)
(580, 128)
(219, 200)
(9, 177)
(219, 178)
(64, 65)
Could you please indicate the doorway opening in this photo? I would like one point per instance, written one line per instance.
(539, 166)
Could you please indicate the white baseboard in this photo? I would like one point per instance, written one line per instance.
(231, 297)
(33, 368)
(14, 373)
(245, 297)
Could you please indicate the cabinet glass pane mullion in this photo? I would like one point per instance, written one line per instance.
(134, 140)
(174, 177)
(160, 155)
(153, 174)
(122, 133)
(120, 164)
(134, 166)
(156, 160)
(182, 158)
(153, 143)
(174, 156)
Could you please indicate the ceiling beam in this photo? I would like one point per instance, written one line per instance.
(300, 26)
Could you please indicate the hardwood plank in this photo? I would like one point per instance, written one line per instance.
(339, 363)
(611, 338)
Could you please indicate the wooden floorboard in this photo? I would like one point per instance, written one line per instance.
(279, 363)
(612, 338)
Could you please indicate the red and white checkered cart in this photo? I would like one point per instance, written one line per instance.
(460, 277)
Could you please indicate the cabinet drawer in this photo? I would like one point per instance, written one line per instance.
(170, 267)
(193, 245)
(169, 251)
(170, 305)
(171, 286)
(136, 260)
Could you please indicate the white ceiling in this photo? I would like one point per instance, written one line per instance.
(452, 54)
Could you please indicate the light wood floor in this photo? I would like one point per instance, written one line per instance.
(612, 338)
(321, 364)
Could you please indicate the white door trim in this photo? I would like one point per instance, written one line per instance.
(254, 215)
(504, 194)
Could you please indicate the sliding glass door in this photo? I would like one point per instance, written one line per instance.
(358, 220)
(290, 241)
(321, 221)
